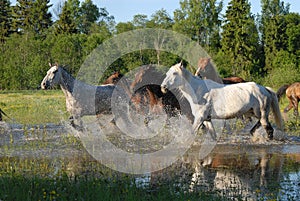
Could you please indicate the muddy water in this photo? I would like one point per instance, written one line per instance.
(247, 171)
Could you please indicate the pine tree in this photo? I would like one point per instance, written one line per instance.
(240, 40)
(66, 23)
(42, 17)
(5, 19)
(271, 27)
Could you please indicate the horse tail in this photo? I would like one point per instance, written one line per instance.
(275, 109)
(281, 91)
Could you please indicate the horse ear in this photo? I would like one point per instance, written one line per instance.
(56, 64)
(50, 64)
(180, 64)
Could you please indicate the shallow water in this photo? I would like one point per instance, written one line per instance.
(234, 169)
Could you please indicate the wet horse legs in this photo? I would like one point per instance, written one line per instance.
(269, 129)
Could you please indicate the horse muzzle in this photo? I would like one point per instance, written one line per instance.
(45, 85)
(163, 89)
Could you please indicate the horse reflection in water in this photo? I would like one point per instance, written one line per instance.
(238, 174)
(81, 98)
(246, 174)
(292, 92)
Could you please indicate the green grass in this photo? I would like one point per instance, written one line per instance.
(34, 107)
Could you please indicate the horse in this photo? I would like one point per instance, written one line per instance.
(207, 71)
(81, 98)
(114, 78)
(211, 100)
(147, 83)
(292, 92)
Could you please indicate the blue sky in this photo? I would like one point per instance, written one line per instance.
(124, 10)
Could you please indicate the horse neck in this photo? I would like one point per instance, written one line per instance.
(67, 82)
(212, 74)
(190, 88)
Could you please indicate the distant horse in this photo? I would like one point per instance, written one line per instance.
(207, 71)
(210, 100)
(147, 83)
(83, 100)
(292, 92)
(114, 78)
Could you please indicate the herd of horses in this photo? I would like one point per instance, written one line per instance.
(200, 97)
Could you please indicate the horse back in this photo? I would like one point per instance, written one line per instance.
(293, 90)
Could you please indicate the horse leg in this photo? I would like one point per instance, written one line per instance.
(266, 124)
(295, 105)
(290, 106)
(270, 130)
(256, 126)
(210, 127)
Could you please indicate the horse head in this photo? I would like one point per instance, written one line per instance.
(114, 78)
(174, 78)
(51, 77)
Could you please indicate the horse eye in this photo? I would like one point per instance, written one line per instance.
(175, 73)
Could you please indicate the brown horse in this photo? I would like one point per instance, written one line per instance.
(292, 92)
(207, 71)
(114, 78)
(147, 83)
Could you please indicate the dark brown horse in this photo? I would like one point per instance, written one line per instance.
(292, 92)
(207, 71)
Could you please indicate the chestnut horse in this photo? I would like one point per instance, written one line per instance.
(292, 92)
(114, 78)
(207, 71)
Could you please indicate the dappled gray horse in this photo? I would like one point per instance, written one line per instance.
(81, 98)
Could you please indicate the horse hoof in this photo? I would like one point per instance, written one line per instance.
(270, 137)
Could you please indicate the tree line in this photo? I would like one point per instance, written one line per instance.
(264, 47)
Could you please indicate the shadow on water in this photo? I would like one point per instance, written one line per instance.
(235, 171)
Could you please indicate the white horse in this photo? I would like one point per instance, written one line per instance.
(216, 101)
(81, 98)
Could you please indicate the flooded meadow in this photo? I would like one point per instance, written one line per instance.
(51, 163)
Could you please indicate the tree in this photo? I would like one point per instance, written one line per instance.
(140, 21)
(5, 19)
(32, 16)
(89, 14)
(66, 23)
(271, 23)
(240, 40)
(199, 19)
(160, 19)
(42, 17)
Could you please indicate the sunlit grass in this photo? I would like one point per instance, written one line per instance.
(34, 107)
